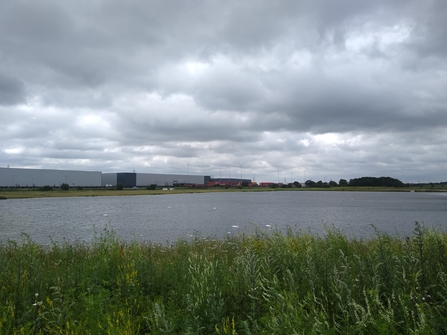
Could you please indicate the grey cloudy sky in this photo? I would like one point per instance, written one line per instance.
(314, 89)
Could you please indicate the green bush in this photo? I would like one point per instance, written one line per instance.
(120, 186)
(45, 188)
(65, 187)
(151, 187)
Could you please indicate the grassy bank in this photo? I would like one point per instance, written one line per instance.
(295, 283)
(22, 193)
(15, 193)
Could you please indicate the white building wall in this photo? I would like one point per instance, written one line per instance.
(17, 177)
(146, 179)
(108, 179)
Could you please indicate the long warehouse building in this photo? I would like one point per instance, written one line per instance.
(19, 177)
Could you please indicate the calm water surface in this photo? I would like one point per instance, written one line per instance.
(173, 216)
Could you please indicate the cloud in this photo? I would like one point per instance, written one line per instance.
(11, 91)
(318, 88)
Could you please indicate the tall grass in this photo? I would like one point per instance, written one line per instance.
(265, 283)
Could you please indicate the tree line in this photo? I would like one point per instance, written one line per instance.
(363, 181)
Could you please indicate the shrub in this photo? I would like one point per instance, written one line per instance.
(119, 186)
(151, 187)
(45, 188)
(65, 187)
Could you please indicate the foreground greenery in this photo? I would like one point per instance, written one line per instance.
(266, 283)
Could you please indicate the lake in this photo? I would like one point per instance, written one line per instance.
(167, 218)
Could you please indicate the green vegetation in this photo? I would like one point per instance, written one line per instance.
(265, 283)
(45, 188)
(373, 181)
(40, 192)
(65, 187)
(343, 182)
(363, 181)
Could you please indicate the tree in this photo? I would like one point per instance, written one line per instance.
(245, 184)
(332, 183)
(310, 183)
(119, 186)
(374, 181)
(343, 182)
(65, 187)
(297, 184)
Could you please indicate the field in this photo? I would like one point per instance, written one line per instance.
(20, 193)
(265, 283)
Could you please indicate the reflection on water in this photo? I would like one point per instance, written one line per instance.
(170, 217)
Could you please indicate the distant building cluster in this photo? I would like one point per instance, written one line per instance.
(20, 177)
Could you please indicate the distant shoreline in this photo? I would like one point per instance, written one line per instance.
(17, 193)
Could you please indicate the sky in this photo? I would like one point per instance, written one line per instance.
(270, 90)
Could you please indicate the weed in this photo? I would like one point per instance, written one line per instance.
(293, 283)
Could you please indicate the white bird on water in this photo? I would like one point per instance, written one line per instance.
(235, 226)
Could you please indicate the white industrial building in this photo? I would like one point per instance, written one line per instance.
(18, 177)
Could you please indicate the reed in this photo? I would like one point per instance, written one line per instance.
(264, 283)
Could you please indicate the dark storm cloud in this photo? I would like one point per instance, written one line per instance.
(12, 91)
(286, 85)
